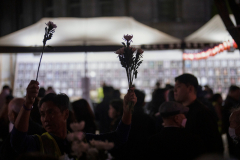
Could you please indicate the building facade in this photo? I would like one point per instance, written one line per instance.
(178, 18)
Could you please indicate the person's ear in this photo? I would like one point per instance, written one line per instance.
(66, 114)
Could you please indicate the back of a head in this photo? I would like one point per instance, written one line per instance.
(233, 88)
(41, 92)
(140, 100)
(6, 87)
(16, 104)
(188, 79)
(60, 100)
(107, 91)
(117, 104)
(216, 97)
(82, 110)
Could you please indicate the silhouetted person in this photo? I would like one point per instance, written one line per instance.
(6, 151)
(83, 112)
(231, 102)
(101, 111)
(115, 113)
(143, 126)
(200, 120)
(217, 102)
(173, 142)
(41, 92)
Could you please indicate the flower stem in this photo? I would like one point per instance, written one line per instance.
(40, 62)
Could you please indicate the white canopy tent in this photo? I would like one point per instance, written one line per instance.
(214, 31)
(103, 31)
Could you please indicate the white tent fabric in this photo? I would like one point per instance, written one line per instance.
(214, 31)
(88, 32)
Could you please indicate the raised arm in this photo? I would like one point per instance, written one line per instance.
(127, 113)
(120, 135)
(22, 121)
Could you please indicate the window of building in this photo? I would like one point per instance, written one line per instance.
(169, 10)
(74, 8)
(48, 9)
(106, 7)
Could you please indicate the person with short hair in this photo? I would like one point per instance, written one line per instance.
(231, 102)
(173, 142)
(115, 113)
(54, 114)
(200, 120)
(14, 107)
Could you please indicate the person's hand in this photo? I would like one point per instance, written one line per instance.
(129, 99)
(32, 93)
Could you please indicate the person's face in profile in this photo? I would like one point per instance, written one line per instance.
(52, 118)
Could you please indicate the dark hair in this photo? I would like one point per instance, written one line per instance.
(233, 88)
(216, 96)
(41, 92)
(60, 100)
(171, 95)
(188, 79)
(6, 87)
(140, 100)
(117, 104)
(82, 110)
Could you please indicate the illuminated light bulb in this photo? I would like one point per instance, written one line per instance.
(225, 45)
(191, 56)
(217, 49)
(184, 56)
(221, 48)
(228, 45)
(214, 51)
(198, 56)
(210, 52)
(235, 45)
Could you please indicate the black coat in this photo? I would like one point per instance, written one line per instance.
(173, 143)
(201, 122)
(6, 150)
(230, 104)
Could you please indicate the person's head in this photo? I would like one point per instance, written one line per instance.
(116, 94)
(50, 90)
(140, 101)
(6, 90)
(14, 108)
(185, 89)
(107, 91)
(234, 128)
(41, 92)
(173, 114)
(82, 110)
(217, 98)
(234, 92)
(54, 111)
(115, 108)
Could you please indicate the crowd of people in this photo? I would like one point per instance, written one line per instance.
(184, 121)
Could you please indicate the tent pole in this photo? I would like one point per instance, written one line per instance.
(85, 65)
(183, 61)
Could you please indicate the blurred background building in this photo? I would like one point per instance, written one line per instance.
(178, 18)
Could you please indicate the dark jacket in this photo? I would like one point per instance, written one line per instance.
(230, 104)
(173, 143)
(201, 122)
(142, 128)
(7, 152)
